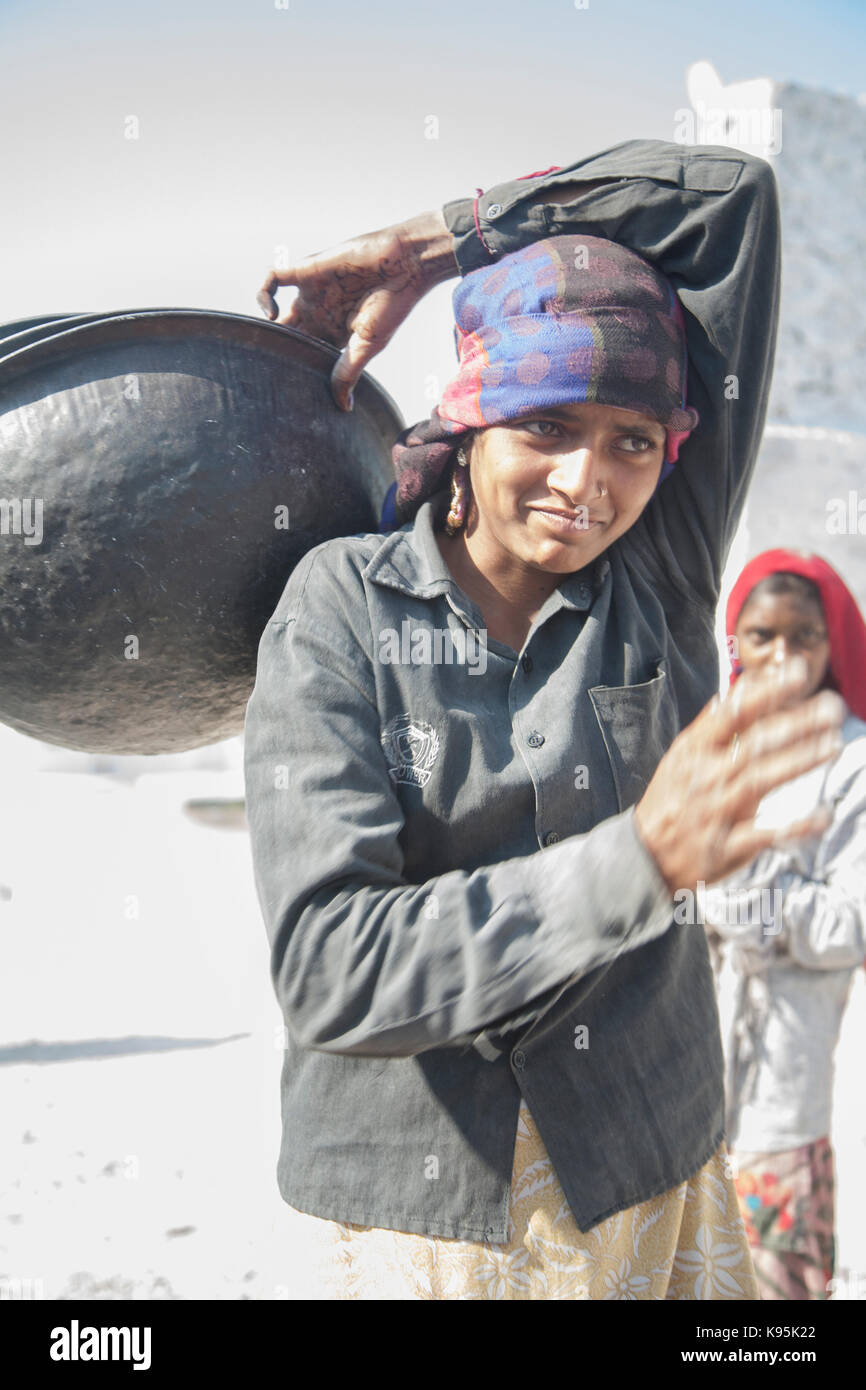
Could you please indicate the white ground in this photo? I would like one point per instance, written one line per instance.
(139, 1056)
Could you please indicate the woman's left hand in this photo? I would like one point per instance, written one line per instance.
(356, 295)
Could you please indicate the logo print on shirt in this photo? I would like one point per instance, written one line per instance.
(411, 747)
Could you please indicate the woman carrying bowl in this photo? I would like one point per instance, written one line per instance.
(483, 753)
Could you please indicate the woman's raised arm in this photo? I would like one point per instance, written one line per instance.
(706, 216)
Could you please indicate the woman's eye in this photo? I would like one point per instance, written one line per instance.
(643, 441)
(548, 429)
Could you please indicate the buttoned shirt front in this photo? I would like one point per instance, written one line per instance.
(463, 909)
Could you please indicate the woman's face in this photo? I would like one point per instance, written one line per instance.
(774, 627)
(554, 489)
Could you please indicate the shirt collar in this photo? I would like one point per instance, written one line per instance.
(410, 561)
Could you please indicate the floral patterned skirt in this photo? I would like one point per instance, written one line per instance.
(689, 1243)
(787, 1201)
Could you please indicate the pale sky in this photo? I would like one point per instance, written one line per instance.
(262, 127)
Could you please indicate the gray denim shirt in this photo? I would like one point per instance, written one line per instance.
(459, 908)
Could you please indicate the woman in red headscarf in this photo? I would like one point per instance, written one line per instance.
(794, 923)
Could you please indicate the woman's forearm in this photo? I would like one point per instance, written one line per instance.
(372, 971)
(432, 246)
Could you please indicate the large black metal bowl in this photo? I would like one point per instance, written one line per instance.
(178, 463)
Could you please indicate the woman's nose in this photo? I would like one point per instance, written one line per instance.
(575, 473)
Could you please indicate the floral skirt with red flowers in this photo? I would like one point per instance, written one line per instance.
(787, 1200)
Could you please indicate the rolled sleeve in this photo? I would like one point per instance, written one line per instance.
(808, 903)
(826, 924)
(826, 918)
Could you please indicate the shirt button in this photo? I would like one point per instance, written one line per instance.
(526, 663)
(551, 838)
(535, 739)
(519, 1059)
(494, 210)
(585, 593)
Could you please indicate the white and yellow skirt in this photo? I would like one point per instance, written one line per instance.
(689, 1243)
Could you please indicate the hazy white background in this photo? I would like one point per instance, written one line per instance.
(139, 1037)
(261, 127)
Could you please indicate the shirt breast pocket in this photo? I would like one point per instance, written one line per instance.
(638, 724)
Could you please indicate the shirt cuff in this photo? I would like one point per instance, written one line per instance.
(613, 883)
(617, 895)
(469, 251)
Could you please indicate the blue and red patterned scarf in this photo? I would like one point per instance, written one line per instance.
(569, 319)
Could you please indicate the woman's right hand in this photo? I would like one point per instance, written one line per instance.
(696, 817)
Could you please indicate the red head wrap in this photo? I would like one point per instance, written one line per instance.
(845, 625)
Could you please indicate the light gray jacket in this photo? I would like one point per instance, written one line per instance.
(794, 927)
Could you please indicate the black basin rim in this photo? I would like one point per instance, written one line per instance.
(113, 328)
(12, 327)
(37, 329)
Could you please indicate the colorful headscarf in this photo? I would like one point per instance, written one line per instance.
(569, 319)
(845, 625)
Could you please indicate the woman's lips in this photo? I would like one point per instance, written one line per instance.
(571, 522)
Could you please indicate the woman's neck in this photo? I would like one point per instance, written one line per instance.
(510, 595)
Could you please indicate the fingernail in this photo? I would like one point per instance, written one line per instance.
(350, 401)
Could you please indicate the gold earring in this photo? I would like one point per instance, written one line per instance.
(459, 494)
